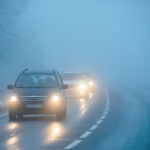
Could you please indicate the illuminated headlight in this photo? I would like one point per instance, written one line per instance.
(82, 86)
(90, 83)
(13, 99)
(55, 98)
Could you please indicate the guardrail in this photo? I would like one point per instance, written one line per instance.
(3, 97)
(2, 106)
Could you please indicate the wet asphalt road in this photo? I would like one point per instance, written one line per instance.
(40, 133)
(125, 125)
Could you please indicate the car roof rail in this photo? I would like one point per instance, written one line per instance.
(24, 71)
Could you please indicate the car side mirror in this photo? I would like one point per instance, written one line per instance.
(65, 86)
(10, 87)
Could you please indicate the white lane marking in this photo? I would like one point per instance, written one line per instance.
(93, 127)
(73, 144)
(103, 117)
(105, 113)
(107, 109)
(99, 121)
(3, 115)
(88, 132)
(84, 135)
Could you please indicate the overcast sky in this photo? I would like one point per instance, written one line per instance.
(103, 36)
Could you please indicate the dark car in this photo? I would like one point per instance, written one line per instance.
(37, 92)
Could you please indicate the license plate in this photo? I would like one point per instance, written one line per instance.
(34, 106)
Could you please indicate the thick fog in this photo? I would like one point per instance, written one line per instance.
(108, 38)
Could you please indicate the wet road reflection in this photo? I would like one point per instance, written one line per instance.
(83, 106)
(44, 131)
(11, 126)
(12, 142)
(91, 95)
(54, 131)
(83, 103)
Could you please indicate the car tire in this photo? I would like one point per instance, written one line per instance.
(65, 113)
(61, 115)
(12, 115)
(20, 116)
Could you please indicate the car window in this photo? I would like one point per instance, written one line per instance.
(59, 79)
(36, 81)
(72, 76)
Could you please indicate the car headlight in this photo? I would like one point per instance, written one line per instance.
(55, 98)
(13, 99)
(82, 86)
(91, 83)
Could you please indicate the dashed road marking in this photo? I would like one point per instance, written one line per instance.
(88, 132)
(103, 117)
(93, 127)
(105, 113)
(99, 121)
(73, 144)
(84, 135)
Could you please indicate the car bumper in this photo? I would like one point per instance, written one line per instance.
(77, 93)
(36, 108)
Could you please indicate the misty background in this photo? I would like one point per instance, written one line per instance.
(107, 38)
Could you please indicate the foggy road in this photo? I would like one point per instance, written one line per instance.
(127, 125)
(38, 132)
(116, 122)
(107, 42)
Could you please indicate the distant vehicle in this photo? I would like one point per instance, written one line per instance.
(77, 84)
(38, 92)
(90, 81)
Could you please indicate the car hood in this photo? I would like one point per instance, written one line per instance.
(71, 82)
(35, 91)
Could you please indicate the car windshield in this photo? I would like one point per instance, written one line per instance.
(72, 76)
(36, 81)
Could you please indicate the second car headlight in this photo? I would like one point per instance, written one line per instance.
(55, 98)
(82, 86)
(91, 83)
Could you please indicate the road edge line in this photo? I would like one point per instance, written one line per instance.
(94, 126)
